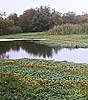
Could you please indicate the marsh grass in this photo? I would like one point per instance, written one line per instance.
(69, 29)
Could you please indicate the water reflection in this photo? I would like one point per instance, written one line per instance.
(27, 49)
(4, 56)
(30, 48)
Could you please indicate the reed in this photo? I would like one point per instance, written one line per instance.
(69, 29)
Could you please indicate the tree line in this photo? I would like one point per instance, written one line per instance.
(38, 20)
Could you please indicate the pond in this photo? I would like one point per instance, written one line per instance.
(27, 49)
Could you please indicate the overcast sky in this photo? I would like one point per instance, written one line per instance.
(63, 6)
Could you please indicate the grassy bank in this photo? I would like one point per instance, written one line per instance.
(68, 41)
(27, 79)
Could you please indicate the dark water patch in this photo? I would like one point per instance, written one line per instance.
(27, 49)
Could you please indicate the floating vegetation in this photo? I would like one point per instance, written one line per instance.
(64, 41)
(30, 79)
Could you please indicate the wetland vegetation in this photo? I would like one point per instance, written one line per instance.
(64, 41)
(32, 79)
(29, 79)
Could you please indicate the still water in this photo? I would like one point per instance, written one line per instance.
(27, 49)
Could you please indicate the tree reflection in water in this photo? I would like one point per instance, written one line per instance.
(29, 47)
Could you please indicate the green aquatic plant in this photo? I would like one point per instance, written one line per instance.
(67, 41)
(30, 79)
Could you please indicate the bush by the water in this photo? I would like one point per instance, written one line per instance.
(69, 29)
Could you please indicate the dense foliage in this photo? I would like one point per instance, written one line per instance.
(7, 27)
(41, 19)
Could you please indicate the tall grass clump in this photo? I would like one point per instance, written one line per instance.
(69, 29)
